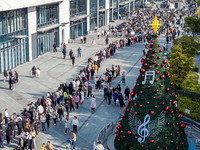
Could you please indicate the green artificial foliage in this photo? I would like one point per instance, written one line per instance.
(147, 112)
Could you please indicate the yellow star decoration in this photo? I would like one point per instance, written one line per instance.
(155, 25)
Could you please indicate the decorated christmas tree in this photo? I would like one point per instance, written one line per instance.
(152, 119)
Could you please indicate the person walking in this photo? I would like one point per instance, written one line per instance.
(77, 99)
(93, 42)
(107, 40)
(93, 103)
(60, 113)
(1, 138)
(73, 139)
(48, 118)
(38, 72)
(126, 93)
(115, 96)
(121, 102)
(54, 47)
(71, 99)
(5, 73)
(67, 122)
(79, 52)
(1, 120)
(16, 76)
(73, 60)
(85, 90)
(123, 78)
(64, 53)
(43, 121)
(6, 116)
(54, 116)
(75, 124)
(8, 134)
(109, 96)
(89, 90)
(106, 93)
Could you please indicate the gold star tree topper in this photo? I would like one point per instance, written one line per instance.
(155, 25)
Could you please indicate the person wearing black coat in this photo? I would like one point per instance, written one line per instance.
(121, 102)
(12, 125)
(60, 113)
(8, 134)
(32, 143)
(19, 126)
(48, 118)
(1, 138)
(106, 93)
(70, 88)
(109, 96)
(92, 73)
(126, 93)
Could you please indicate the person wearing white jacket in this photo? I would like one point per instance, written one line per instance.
(67, 122)
(75, 124)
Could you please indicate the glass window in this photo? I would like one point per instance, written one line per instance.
(78, 7)
(101, 4)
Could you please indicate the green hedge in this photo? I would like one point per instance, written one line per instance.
(189, 96)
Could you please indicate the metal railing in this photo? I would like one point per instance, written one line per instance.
(106, 132)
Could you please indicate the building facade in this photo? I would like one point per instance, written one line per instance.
(29, 29)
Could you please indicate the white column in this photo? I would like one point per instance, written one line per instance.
(129, 7)
(112, 10)
(133, 5)
(98, 13)
(32, 28)
(107, 7)
(64, 19)
(88, 13)
(117, 9)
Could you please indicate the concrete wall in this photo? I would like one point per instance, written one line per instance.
(32, 28)
(64, 18)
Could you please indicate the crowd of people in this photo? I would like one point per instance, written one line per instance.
(56, 106)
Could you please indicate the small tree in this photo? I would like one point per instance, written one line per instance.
(192, 24)
(188, 44)
(180, 65)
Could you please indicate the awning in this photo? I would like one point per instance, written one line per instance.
(112, 7)
(102, 10)
(79, 18)
(20, 36)
(123, 3)
(47, 28)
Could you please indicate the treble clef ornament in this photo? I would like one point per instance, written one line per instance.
(143, 132)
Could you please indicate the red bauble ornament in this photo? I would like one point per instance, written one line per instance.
(167, 89)
(177, 123)
(157, 65)
(165, 137)
(162, 76)
(127, 110)
(135, 104)
(150, 49)
(143, 70)
(160, 50)
(162, 65)
(158, 45)
(172, 94)
(155, 51)
(153, 41)
(158, 57)
(182, 143)
(157, 90)
(131, 93)
(151, 44)
(164, 112)
(150, 66)
(152, 55)
(142, 146)
(156, 106)
(175, 96)
(118, 139)
(152, 112)
(124, 136)
(136, 137)
(177, 132)
(166, 108)
(157, 72)
(181, 115)
(122, 131)
(181, 132)
(161, 85)
(170, 134)
(172, 141)
(149, 86)
(163, 103)
(164, 61)
(148, 102)
(176, 147)
(147, 58)
(165, 147)
(172, 112)
(137, 78)
(117, 127)
(168, 123)
(166, 67)
(115, 132)
(140, 105)
(173, 102)
(136, 113)
(154, 97)
(157, 80)
(145, 64)
(141, 92)
(138, 84)
(152, 141)
(182, 125)
(173, 124)
(142, 60)
(157, 147)
(142, 75)
(156, 35)
(129, 132)
(154, 62)
(170, 100)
